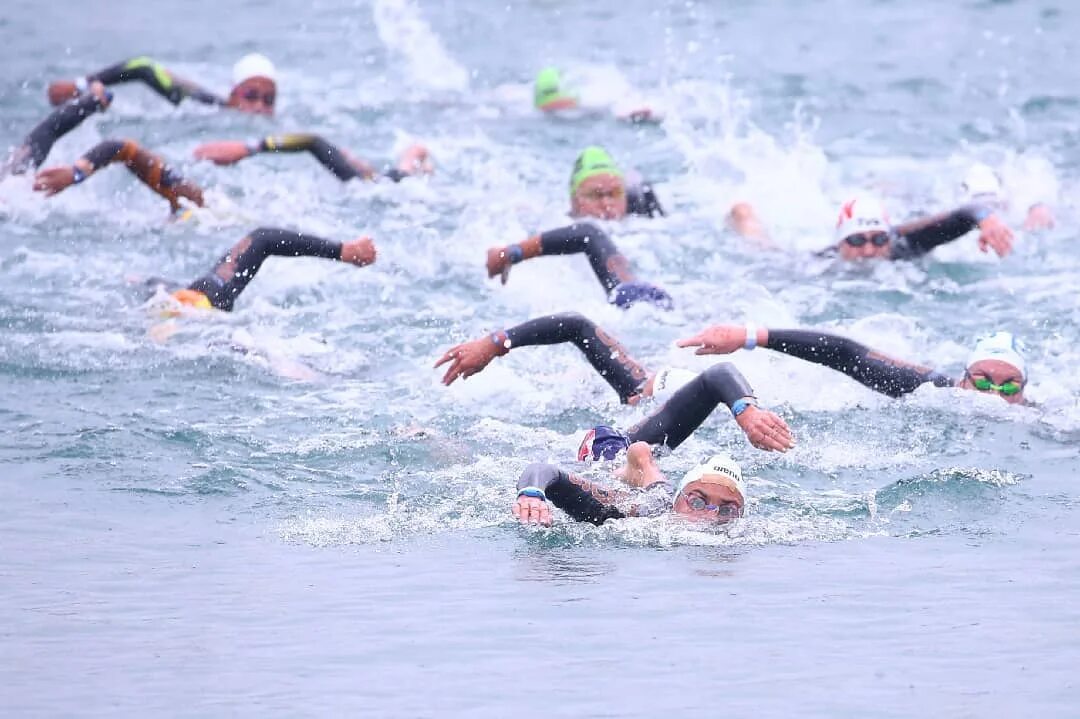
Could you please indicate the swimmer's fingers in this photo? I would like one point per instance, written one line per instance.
(718, 339)
(225, 152)
(532, 510)
(995, 235)
(54, 180)
(450, 354)
(695, 341)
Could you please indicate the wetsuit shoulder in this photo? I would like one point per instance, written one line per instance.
(641, 200)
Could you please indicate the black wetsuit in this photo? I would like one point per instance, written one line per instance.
(238, 266)
(604, 352)
(586, 501)
(872, 369)
(65, 118)
(919, 237)
(642, 200)
(330, 156)
(608, 264)
(157, 78)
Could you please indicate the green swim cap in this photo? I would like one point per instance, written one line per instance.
(593, 160)
(548, 87)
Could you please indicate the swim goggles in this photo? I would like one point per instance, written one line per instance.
(1006, 388)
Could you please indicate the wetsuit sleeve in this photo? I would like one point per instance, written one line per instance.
(641, 200)
(872, 369)
(604, 352)
(62, 120)
(609, 266)
(583, 500)
(691, 405)
(918, 237)
(329, 156)
(157, 78)
(148, 167)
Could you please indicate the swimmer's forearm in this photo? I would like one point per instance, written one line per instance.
(570, 239)
(60, 121)
(926, 233)
(150, 168)
(540, 476)
(329, 156)
(142, 69)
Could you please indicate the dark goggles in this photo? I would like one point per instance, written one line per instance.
(877, 239)
(727, 510)
(253, 95)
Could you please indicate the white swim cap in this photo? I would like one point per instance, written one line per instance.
(981, 184)
(253, 65)
(863, 213)
(670, 380)
(717, 465)
(999, 346)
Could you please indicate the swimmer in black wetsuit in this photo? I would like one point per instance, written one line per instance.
(35, 148)
(995, 364)
(148, 167)
(713, 491)
(694, 398)
(863, 231)
(254, 84)
(414, 160)
(610, 266)
(219, 288)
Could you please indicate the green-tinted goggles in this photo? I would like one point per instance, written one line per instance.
(1006, 388)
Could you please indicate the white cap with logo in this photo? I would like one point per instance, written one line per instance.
(718, 465)
(863, 213)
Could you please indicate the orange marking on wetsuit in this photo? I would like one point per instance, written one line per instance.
(897, 362)
(621, 355)
(620, 267)
(192, 298)
(227, 269)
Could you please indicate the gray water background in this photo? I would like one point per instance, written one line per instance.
(185, 532)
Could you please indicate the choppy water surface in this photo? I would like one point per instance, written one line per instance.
(188, 530)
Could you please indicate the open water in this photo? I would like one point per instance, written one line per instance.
(190, 531)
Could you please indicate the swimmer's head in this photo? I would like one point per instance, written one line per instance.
(670, 380)
(996, 365)
(254, 85)
(713, 490)
(602, 442)
(863, 230)
(982, 185)
(629, 293)
(182, 300)
(597, 186)
(548, 94)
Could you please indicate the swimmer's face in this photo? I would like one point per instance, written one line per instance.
(256, 95)
(998, 377)
(600, 196)
(866, 245)
(713, 498)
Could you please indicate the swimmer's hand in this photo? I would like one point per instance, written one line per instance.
(765, 430)
(1039, 217)
(469, 358)
(54, 180)
(532, 510)
(189, 191)
(995, 235)
(61, 91)
(225, 152)
(498, 263)
(360, 252)
(716, 340)
(416, 160)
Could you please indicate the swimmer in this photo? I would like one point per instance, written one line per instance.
(145, 165)
(611, 267)
(689, 398)
(713, 491)
(35, 148)
(254, 84)
(551, 97)
(863, 230)
(599, 189)
(415, 160)
(219, 288)
(995, 365)
(983, 186)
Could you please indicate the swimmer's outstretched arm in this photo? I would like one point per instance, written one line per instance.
(692, 404)
(603, 351)
(238, 267)
(139, 69)
(920, 236)
(583, 500)
(608, 264)
(148, 167)
(35, 148)
(879, 372)
(415, 160)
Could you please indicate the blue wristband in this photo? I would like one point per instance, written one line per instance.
(740, 406)
(981, 212)
(515, 253)
(77, 175)
(532, 492)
